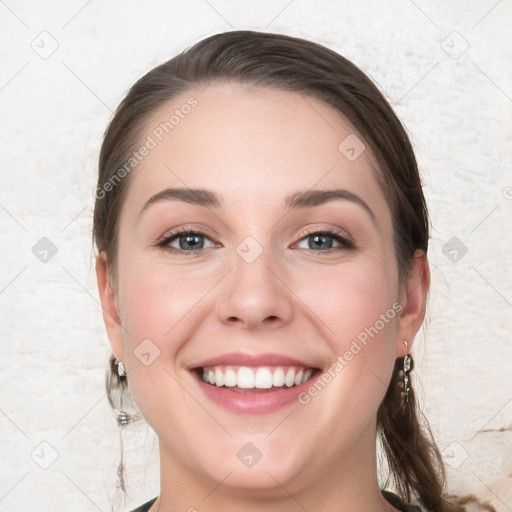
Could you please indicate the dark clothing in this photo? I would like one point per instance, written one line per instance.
(392, 498)
(145, 507)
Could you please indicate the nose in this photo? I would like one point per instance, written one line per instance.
(255, 295)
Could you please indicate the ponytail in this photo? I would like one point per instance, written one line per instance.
(415, 464)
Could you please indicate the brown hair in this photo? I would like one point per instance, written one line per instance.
(297, 65)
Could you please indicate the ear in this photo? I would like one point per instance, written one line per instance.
(413, 298)
(109, 305)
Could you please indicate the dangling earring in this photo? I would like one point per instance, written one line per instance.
(121, 370)
(405, 384)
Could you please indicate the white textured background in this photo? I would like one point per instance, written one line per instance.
(445, 65)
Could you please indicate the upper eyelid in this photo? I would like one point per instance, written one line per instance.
(330, 231)
(186, 230)
(335, 232)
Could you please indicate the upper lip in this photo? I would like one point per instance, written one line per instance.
(247, 359)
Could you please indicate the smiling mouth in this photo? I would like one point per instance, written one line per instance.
(249, 380)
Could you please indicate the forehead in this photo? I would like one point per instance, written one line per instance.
(250, 144)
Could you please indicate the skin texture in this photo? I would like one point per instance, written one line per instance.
(253, 147)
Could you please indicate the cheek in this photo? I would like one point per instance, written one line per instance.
(359, 312)
(352, 298)
(157, 311)
(155, 299)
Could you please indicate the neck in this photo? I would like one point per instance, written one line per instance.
(349, 484)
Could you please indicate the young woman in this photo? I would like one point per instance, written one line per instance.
(262, 266)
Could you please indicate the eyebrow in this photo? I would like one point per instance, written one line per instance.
(312, 198)
(198, 196)
(209, 199)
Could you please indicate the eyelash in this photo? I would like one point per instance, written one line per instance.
(347, 244)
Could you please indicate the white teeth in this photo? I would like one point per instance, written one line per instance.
(245, 378)
(278, 377)
(263, 378)
(290, 378)
(230, 378)
(307, 376)
(219, 378)
(260, 378)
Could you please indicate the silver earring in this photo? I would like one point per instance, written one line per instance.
(121, 370)
(406, 384)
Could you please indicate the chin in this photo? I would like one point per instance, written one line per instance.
(255, 465)
(267, 480)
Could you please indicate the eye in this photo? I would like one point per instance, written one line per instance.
(323, 240)
(187, 241)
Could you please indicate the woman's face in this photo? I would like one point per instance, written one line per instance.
(274, 277)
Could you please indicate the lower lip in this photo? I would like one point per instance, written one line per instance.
(246, 402)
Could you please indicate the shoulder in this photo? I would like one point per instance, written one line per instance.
(145, 507)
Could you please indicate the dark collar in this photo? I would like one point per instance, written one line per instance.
(398, 502)
(391, 497)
